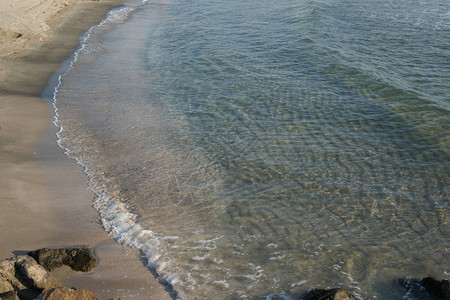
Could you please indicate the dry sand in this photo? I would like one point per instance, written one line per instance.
(44, 200)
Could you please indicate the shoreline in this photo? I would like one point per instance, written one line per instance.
(44, 196)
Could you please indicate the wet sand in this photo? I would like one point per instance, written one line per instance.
(44, 198)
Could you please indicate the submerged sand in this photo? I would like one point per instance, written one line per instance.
(44, 200)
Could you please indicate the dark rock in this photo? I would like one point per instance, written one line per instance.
(324, 294)
(78, 259)
(50, 259)
(436, 288)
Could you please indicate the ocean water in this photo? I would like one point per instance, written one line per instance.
(256, 149)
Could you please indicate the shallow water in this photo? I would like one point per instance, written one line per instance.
(263, 148)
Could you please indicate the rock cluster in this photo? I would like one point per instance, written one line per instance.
(27, 277)
(23, 278)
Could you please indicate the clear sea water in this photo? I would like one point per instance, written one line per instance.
(256, 149)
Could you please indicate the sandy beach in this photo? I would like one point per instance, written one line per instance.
(44, 197)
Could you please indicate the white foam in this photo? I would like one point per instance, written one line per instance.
(258, 272)
(222, 282)
(218, 261)
(200, 257)
(354, 282)
(282, 295)
(278, 255)
(299, 283)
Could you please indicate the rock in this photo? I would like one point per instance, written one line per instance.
(421, 288)
(67, 294)
(8, 281)
(413, 286)
(50, 259)
(324, 294)
(5, 286)
(9, 296)
(23, 276)
(7, 277)
(436, 288)
(78, 259)
(38, 277)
